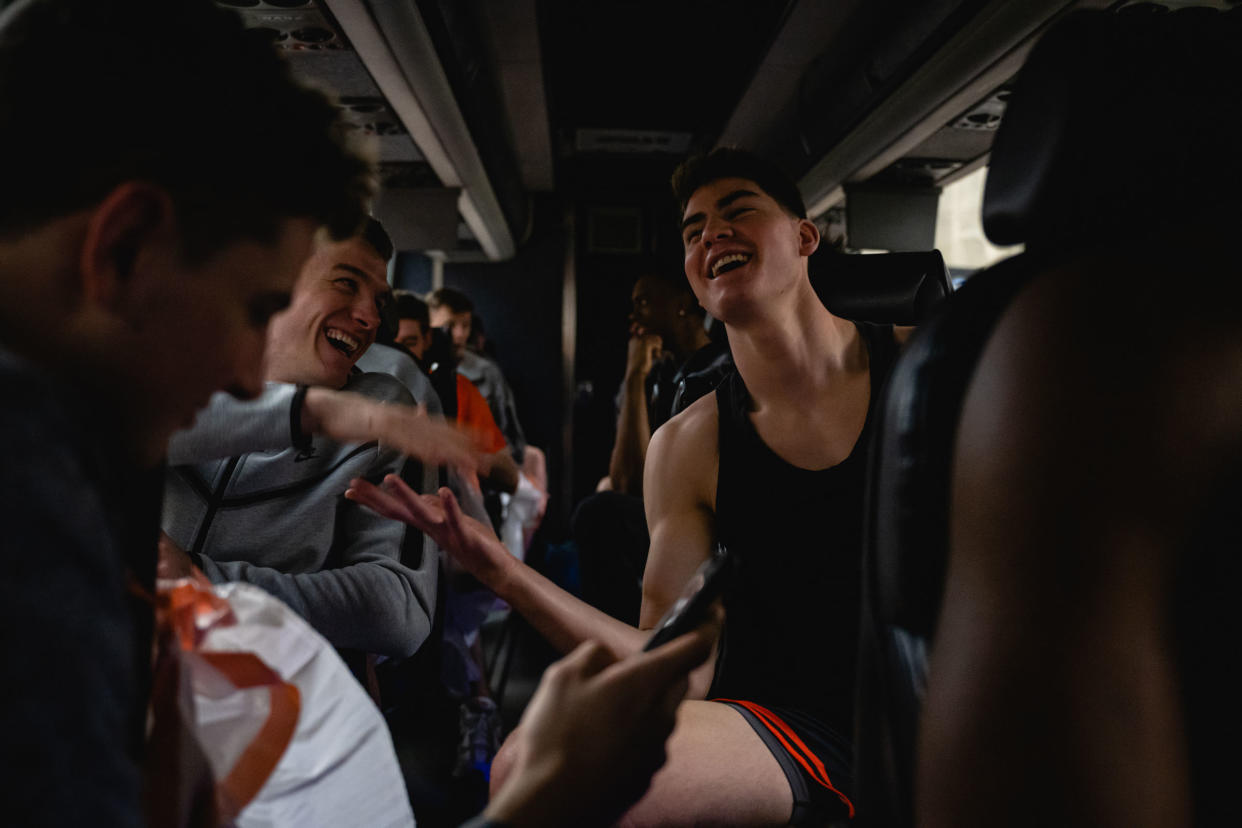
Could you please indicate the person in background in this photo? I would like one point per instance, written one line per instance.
(668, 343)
(453, 311)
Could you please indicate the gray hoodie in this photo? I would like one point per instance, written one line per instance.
(257, 509)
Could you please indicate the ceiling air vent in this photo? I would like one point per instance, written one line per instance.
(293, 25)
(985, 116)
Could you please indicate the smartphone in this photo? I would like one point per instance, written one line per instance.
(710, 581)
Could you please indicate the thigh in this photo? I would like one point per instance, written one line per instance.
(719, 772)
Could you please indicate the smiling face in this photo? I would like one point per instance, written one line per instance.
(654, 308)
(333, 318)
(743, 251)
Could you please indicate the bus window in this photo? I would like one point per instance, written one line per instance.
(959, 228)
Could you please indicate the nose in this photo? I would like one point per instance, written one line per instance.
(716, 228)
(366, 310)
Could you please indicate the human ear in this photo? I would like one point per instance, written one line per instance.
(120, 230)
(808, 237)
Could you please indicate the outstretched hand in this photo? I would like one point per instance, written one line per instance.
(473, 545)
(347, 417)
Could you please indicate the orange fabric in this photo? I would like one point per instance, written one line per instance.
(188, 609)
(191, 609)
(804, 756)
(473, 413)
(261, 756)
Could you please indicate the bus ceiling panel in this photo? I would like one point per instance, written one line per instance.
(769, 104)
(463, 42)
(318, 53)
(396, 48)
(627, 66)
(372, 117)
(419, 218)
(967, 67)
(512, 30)
(951, 151)
(963, 144)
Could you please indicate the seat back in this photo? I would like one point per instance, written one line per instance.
(884, 288)
(1096, 148)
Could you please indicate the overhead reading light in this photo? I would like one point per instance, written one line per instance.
(394, 45)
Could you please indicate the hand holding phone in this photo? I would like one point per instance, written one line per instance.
(709, 582)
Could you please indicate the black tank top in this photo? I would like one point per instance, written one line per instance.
(791, 632)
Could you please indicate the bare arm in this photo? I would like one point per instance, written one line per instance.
(680, 506)
(1053, 694)
(629, 450)
(566, 621)
(348, 417)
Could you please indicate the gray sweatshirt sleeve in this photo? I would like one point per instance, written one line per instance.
(364, 598)
(228, 426)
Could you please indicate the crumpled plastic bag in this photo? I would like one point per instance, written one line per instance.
(290, 736)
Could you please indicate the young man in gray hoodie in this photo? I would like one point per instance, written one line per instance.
(254, 493)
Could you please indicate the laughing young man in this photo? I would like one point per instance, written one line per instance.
(770, 464)
(255, 494)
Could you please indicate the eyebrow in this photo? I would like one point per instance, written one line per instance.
(720, 205)
(357, 271)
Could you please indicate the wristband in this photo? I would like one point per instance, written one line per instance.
(301, 440)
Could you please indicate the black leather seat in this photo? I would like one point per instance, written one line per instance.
(1118, 125)
(884, 288)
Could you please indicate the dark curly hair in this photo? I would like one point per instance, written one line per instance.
(730, 162)
(94, 93)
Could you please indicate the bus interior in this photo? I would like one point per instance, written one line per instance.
(525, 149)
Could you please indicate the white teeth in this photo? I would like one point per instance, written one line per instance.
(729, 259)
(345, 339)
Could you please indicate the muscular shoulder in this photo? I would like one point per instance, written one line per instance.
(682, 458)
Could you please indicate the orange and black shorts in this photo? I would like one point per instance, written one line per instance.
(816, 760)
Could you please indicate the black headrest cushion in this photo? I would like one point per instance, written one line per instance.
(1119, 123)
(884, 288)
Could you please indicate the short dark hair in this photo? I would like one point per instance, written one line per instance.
(375, 235)
(729, 162)
(402, 304)
(454, 300)
(94, 93)
(409, 306)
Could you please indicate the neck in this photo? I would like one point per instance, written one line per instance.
(796, 357)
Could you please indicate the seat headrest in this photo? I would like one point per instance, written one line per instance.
(1118, 124)
(884, 288)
